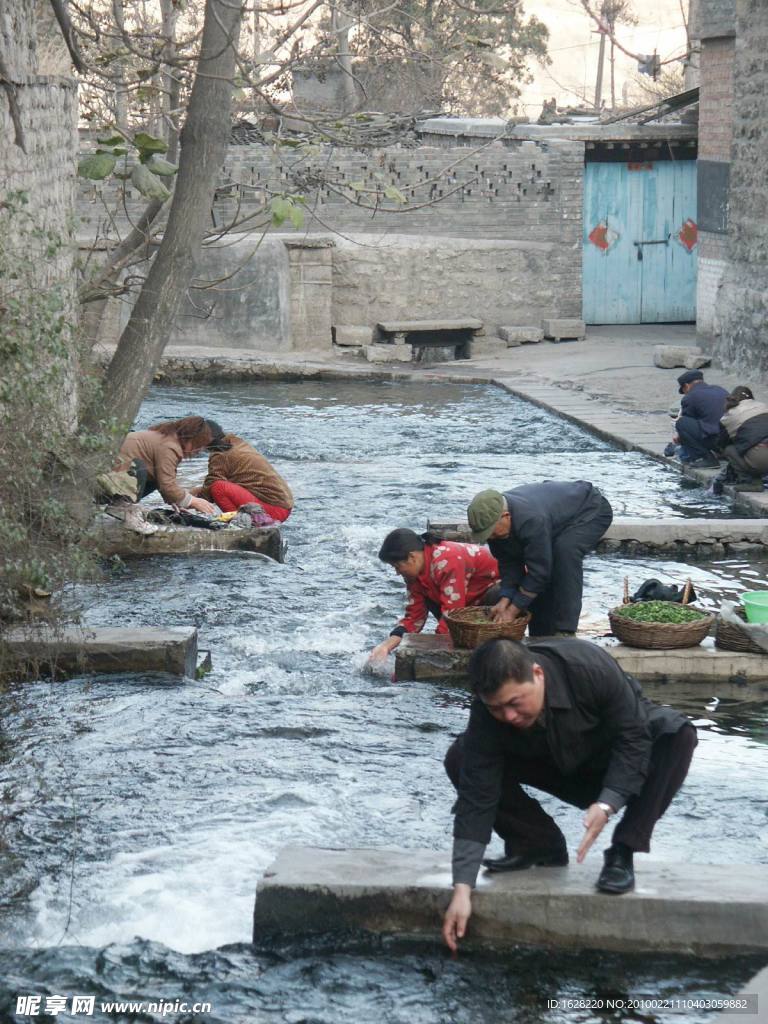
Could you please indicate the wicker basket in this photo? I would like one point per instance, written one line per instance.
(730, 638)
(659, 635)
(470, 627)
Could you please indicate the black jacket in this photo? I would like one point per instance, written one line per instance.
(595, 715)
(539, 513)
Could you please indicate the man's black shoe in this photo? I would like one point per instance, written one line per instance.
(618, 874)
(531, 859)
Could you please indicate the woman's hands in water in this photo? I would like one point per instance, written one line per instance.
(382, 650)
(456, 916)
(201, 505)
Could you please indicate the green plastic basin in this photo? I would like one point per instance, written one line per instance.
(756, 605)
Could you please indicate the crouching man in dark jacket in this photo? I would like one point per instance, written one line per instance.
(539, 535)
(561, 716)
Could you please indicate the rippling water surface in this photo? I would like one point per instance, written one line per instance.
(139, 814)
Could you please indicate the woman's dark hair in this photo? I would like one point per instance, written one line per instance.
(218, 444)
(191, 430)
(399, 544)
(739, 394)
(497, 662)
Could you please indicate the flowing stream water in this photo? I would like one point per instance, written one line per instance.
(138, 814)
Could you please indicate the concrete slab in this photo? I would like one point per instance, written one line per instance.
(521, 334)
(388, 353)
(111, 538)
(485, 348)
(707, 910)
(630, 535)
(407, 326)
(673, 676)
(82, 650)
(564, 327)
(351, 336)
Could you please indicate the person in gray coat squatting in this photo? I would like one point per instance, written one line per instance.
(561, 716)
(539, 535)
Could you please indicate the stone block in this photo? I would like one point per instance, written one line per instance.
(667, 357)
(564, 327)
(527, 334)
(75, 650)
(353, 336)
(706, 909)
(484, 348)
(695, 362)
(388, 353)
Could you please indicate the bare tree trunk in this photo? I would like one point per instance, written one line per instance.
(204, 140)
(340, 26)
(613, 75)
(121, 90)
(170, 79)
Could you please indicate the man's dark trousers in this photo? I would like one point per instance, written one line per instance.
(697, 444)
(557, 609)
(525, 826)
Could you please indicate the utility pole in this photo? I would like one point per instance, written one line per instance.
(600, 63)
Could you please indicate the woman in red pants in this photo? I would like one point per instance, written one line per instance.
(239, 475)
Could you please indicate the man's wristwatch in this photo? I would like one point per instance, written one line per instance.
(607, 809)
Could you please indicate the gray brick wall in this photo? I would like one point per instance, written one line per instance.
(45, 173)
(713, 19)
(742, 307)
(489, 230)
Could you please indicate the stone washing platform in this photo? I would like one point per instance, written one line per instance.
(707, 910)
(86, 650)
(693, 673)
(112, 538)
(693, 537)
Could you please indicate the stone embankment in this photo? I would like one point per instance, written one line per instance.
(606, 384)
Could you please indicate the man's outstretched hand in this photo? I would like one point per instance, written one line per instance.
(595, 821)
(457, 915)
(504, 611)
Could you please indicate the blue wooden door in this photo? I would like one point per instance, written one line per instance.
(639, 261)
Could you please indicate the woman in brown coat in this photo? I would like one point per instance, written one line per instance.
(152, 457)
(239, 475)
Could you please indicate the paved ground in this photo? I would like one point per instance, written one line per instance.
(607, 383)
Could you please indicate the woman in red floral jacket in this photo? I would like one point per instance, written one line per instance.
(441, 575)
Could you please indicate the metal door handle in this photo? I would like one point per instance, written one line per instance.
(654, 241)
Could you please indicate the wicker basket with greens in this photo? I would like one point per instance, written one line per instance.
(661, 625)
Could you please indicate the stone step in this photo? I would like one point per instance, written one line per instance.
(632, 535)
(83, 650)
(676, 676)
(707, 910)
(111, 538)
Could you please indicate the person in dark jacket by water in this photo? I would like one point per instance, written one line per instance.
(539, 534)
(561, 716)
(698, 426)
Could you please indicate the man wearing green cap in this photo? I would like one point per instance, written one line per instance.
(539, 535)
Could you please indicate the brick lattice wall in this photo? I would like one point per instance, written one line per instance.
(523, 191)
